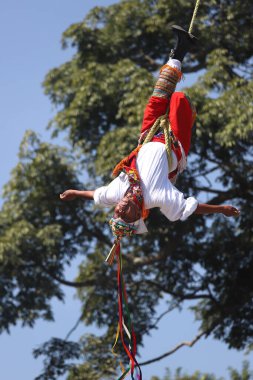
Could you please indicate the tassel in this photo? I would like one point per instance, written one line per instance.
(111, 255)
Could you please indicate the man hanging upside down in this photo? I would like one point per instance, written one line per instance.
(145, 180)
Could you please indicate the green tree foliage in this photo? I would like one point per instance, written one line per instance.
(100, 95)
(245, 374)
(179, 376)
(39, 235)
(56, 363)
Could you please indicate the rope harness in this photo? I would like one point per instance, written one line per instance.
(163, 123)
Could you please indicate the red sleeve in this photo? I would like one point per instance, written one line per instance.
(182, 115)
(156, 107)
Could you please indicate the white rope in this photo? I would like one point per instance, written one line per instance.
(194, 15)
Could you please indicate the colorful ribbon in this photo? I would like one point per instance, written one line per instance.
(125, 329)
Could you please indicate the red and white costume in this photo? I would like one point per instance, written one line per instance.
(151, 161)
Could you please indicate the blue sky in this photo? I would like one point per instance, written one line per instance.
(30, 34)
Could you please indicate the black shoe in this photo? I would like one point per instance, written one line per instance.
(184, 43)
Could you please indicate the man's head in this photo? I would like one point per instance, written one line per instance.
(127, 209)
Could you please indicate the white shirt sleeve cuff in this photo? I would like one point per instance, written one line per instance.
(190, 207)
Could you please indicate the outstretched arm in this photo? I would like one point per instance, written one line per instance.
(69, 195)
(204, 208)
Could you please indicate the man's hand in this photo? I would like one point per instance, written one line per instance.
(68, 195)
(204, 208)
(230, 211)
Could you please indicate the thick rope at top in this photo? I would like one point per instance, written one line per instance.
(194, 15)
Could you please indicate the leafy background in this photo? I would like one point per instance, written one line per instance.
(35, 233)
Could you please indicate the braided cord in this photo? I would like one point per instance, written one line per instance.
(153, 130)
(194, 16)
(166, 129)
(163, 123)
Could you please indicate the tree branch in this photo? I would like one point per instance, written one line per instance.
(192, 296)
(193, 69)
(161, 316)
(62, 281)
(207, 180)
(74, 327)
(72, 284)
(222, 198)
(212, 296)
(204, 173)
(141, 261)
(177, 347)
(210, 190)
(150, 60)
(95, 233)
